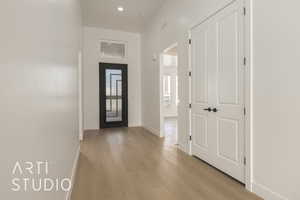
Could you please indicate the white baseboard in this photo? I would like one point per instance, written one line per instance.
(134, 125)
(152, 130)
(266, 193)
(171, 116)
(74, 169)
(81, 134)
(182, 148)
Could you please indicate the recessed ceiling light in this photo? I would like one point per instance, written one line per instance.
(120, 9)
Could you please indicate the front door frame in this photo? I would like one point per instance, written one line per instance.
(102, 94)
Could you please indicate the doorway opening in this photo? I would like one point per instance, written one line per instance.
(113, 95)
(169, 95)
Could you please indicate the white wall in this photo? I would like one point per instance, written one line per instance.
(91, 59)
(275, 85)
(276, 96)
(40, 41)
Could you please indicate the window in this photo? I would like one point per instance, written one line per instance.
(177, 96)
(170, 61)
(112, 49)
(167, 88)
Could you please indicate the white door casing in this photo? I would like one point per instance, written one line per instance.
(218, 82)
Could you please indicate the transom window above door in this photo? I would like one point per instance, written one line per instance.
(113, 49)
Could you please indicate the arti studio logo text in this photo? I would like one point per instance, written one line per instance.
(34, 177)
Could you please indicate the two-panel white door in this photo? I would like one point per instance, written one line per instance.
(218, 91)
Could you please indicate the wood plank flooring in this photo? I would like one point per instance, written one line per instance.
(133, 164)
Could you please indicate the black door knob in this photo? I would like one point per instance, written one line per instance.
(215, 110)
(208, 109)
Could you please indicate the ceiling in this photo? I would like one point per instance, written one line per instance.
(104, 13)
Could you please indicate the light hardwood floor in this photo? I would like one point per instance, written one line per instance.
(133, 164)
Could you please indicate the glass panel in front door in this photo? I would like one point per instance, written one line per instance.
(114, 95)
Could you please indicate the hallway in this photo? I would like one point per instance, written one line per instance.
(132, 164)
(170, 125)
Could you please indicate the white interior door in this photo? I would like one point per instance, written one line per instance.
(218, 91)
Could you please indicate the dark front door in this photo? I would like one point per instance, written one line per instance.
(113, 95)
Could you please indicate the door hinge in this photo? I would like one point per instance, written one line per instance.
(190, 74)
(190, 41)
(245, 111)
(190, 105)
(190, 138)
(245, 160)
(245, 11)
(245, 61)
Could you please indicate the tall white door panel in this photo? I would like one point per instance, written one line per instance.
(218, 90)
